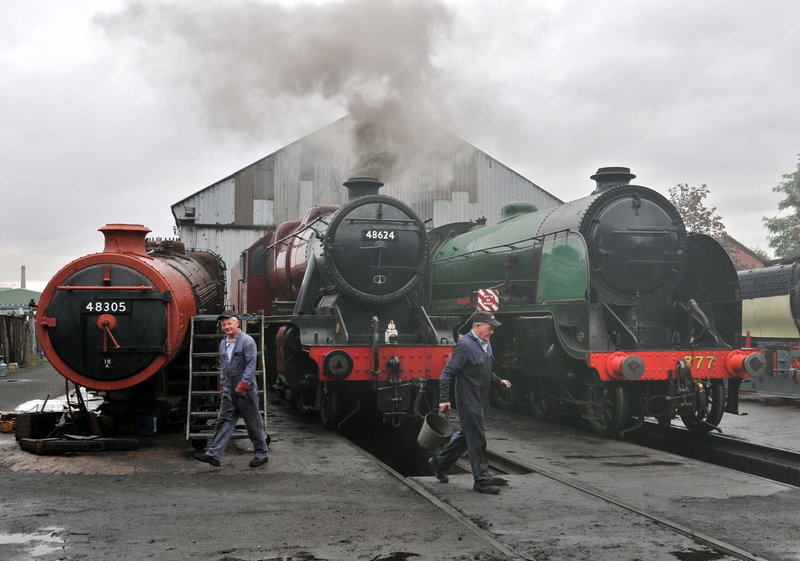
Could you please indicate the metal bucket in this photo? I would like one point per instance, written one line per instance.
(435, 431)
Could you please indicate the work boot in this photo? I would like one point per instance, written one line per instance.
(485, 487)
(206, 458)
(255, 462)
(498, 481)
(437, 469)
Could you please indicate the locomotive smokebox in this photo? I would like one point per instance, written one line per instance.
(362, 186)
(112, 320)
(610, 176)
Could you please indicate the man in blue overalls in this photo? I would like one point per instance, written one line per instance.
(237, 352)
(470, 365)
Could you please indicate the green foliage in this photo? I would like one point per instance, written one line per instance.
(761, 253)
(690, 202)
(699, 218)
(785, 230)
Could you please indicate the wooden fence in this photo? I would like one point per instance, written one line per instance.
(18, 342)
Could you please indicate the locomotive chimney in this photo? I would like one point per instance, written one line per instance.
(125, 238)
(362, 186)
(610, 176)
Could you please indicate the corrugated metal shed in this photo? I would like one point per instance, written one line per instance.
(453, 183)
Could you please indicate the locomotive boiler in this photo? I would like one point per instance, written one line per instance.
(771, 321)
(348, 331)
(609, 308)
(116, 320)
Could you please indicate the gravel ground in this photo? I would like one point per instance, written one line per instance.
(320, 499)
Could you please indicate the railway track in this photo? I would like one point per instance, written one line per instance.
(776, 464)
(508, 465)
(504, 462)
(451, 511)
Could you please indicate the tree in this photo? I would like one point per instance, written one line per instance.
(699, 218)
(696, 215)
(762, 254)
(785, 230)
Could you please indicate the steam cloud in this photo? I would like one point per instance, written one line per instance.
(245, 63)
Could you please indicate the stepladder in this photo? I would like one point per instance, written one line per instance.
(203, 399)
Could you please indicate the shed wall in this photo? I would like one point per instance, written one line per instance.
(454, 182)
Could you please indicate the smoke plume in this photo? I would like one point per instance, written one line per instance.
(249, 65)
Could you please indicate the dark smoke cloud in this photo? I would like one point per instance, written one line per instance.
(245, 64)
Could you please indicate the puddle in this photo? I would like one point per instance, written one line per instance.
(643, 464)
(41, 541)
(302, 556)
(697, 555)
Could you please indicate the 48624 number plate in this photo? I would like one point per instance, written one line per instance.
(379, 235)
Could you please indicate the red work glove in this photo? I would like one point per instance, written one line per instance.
(221, 388)
(241, 389)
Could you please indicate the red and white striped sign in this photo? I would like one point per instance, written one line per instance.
(488, 300)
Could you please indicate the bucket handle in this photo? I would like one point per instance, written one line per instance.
(436, 410)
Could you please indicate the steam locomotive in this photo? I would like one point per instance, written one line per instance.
(347, 330)
(771, 320)
(117, 321)
(610, 309)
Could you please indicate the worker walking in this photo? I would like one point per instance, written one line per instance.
(470, 365)
(239, 388)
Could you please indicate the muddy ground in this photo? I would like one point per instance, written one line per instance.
(317, 498)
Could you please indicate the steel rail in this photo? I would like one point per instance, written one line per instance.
(444, 507)
(718, 545)
(776, 464)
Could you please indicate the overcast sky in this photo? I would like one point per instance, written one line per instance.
(111, 111)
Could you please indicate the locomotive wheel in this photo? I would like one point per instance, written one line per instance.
(503, 397)
(540, 404)
(612, 399)
(329, 404)
(709, 407)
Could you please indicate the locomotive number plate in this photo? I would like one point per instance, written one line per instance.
(700, 362)
(382, 235)
(106, 307)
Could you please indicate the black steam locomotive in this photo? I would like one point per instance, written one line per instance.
(609, 308)
(771, 322)
(347, 329)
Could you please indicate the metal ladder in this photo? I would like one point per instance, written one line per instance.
(203, 398)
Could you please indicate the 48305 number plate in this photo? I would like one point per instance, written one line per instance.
(106, 307)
